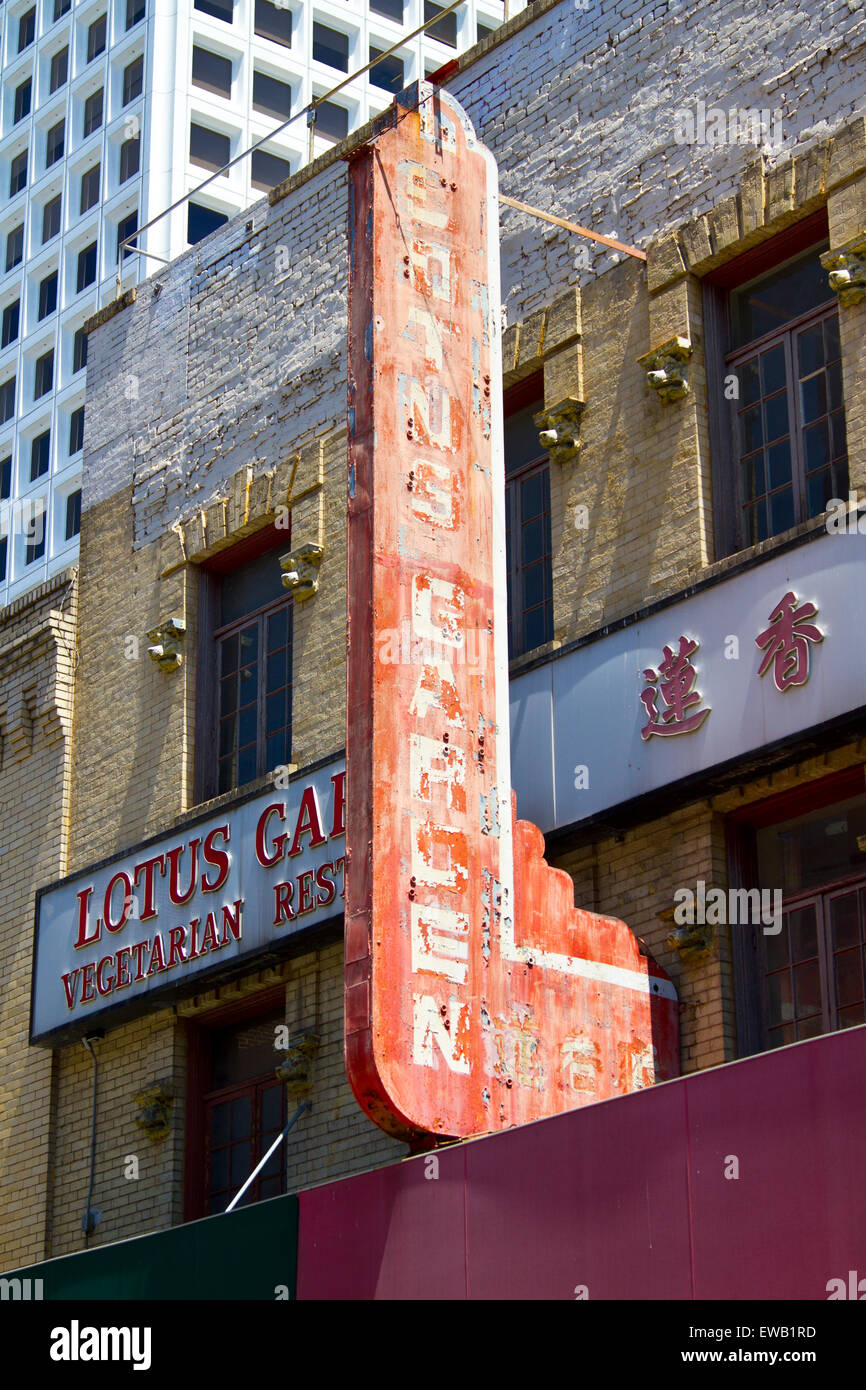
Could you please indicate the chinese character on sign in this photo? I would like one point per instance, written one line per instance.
(675, 684)
(786, 642)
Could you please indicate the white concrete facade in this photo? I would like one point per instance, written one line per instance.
(219, 73)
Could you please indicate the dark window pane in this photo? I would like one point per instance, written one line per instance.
(18, 173)
(89, 188)
(483, 31)
(276, 678)
(211, 71)
(816, 440)
(208, 147)
(391, 9)
(79, 350)
(750, 379)
(3, 546)
(446, 30)
(217, 9)
(332, 120)
(832, 346)
(389, 73)
(229, 656)
(7, 400)
(849, 977)
(780, 998)
(776, 417)
(274, 23)
(26, 29)
(330, 47)
(86, 267)
(845, 921)
(40, 455)
(61, 7)
(250, 587)
(44, 374)
(278, 627)
(755, 522)
(23, 97)
(15, 247)
(35, 547)
(11, 317)
(51, 219)
(219, 1124)
(47, 295)
(267, 170)
(833, 379)
(133, 76)
(96, 38)
(59, 69)
(76, 430)
(126, 228)
(768, 303)
(54, 143)
(241, 1119)
(6, 477)
(73, 514)
(820, 488)
(134, 12)
(271, 97)
(247, 764)
(810, 349)
(93, 113)
(130, 153)
(521, 438)
(782, 511)
(201, 222)
(751, 437)
(773, 375)
(813, 398)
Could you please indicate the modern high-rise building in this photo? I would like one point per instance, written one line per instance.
(112, 110)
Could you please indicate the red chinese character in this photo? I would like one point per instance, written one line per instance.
(675, 683)
(786, 642)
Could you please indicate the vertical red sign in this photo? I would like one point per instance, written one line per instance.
(469, 1006)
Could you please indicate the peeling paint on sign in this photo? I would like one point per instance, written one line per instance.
(477, 997)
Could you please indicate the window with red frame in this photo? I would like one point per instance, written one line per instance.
(245, 656)
(527, 523)
(775, 371)
(809, 846)
(237, 1106)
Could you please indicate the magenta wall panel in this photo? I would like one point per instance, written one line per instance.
(598, 1197)
(627, 1197)
(796, 1216)
(389, 1234)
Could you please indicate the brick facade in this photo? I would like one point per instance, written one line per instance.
(216, 406)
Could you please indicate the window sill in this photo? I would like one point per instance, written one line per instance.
(517, 663)
(753, 554)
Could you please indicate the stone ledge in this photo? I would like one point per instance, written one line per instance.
(108, 312)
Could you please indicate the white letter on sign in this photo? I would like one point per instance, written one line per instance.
(440, 942)
(430, 1025)
(432, 761)
(433, 497)
(426, 839)
(449, 612)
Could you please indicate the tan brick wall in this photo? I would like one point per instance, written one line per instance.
(37, 659)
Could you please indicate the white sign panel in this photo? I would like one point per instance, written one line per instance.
(234, 885)
(750, 662)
